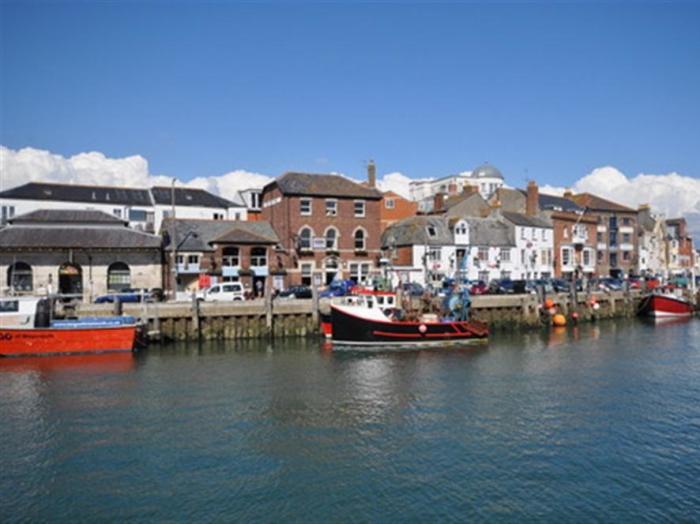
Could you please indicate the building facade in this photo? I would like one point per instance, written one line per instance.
(652, 243)
(680, 250)
(200, 253)
(78, 253)
(617, 234)
(329, 227)
(143, 209)
(419, 249)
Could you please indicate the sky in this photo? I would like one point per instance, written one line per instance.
(211, 93)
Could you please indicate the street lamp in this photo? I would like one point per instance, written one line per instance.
(173, 240)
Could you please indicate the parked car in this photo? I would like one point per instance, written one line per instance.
(478, 287)
(413, 289)
(125, 296)
(560, 285)
(296, 292)
(501, 286)
(635, 283)
(226, 292)
(610, 284)
(338, 288)
(545, 283)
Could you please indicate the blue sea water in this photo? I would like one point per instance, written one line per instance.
(595, 423)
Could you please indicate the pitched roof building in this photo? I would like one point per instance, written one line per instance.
(144, 209)
(81, 253)
(211, 251)
(328, 225)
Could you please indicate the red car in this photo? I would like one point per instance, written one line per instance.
(478, 288)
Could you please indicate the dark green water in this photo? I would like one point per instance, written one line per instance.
(601, 423)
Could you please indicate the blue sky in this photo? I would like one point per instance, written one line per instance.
(542, 91)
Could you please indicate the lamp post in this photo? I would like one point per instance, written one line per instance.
(173, 240)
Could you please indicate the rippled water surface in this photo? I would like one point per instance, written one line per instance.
(598, 423)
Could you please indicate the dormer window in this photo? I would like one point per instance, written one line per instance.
(331, 207)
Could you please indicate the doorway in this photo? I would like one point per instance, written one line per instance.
(70, 279)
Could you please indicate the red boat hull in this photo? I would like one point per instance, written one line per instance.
(52, 341)
(667, 306)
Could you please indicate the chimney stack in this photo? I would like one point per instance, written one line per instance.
(568, 194)
(469, 189)
(371, 174)
(532, 206)
(439, 202)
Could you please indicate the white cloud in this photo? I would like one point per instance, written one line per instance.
(18, 167)
(672, 194)
(228, 184)
(28, 164)
(396, 182)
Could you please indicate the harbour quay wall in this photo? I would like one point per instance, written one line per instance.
(514, 312)
(299, 318)
(217, 320)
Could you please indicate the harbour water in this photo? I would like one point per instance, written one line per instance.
(599, 422)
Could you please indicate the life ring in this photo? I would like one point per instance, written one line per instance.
(422, 329)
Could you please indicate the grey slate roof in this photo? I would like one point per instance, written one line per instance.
(472, 205)
(554, 203)
(184, 196)
(67, 216)
(187, 196)
(77, 237)
(79, 193)
(249, 233)
(199, 235)
(493, 232)
(520, 219)
(309, 184)
(414, 230)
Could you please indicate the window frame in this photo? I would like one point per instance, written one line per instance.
(331, 207)
(306, 208)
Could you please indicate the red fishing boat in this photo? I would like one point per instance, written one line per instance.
(666, 305)
(370, 320)
(27, 328)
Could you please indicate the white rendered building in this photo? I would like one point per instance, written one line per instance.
(143, 209)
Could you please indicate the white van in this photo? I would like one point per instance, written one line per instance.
(223, 292)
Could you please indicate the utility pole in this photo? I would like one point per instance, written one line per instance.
(173, 242)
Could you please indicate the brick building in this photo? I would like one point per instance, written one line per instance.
(212, 251)
(617, 234)
(395, 208)
(327, 225)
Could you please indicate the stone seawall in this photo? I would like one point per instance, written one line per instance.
(298, 318)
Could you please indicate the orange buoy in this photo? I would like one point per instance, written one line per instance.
(548, 303)
(559, 320)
